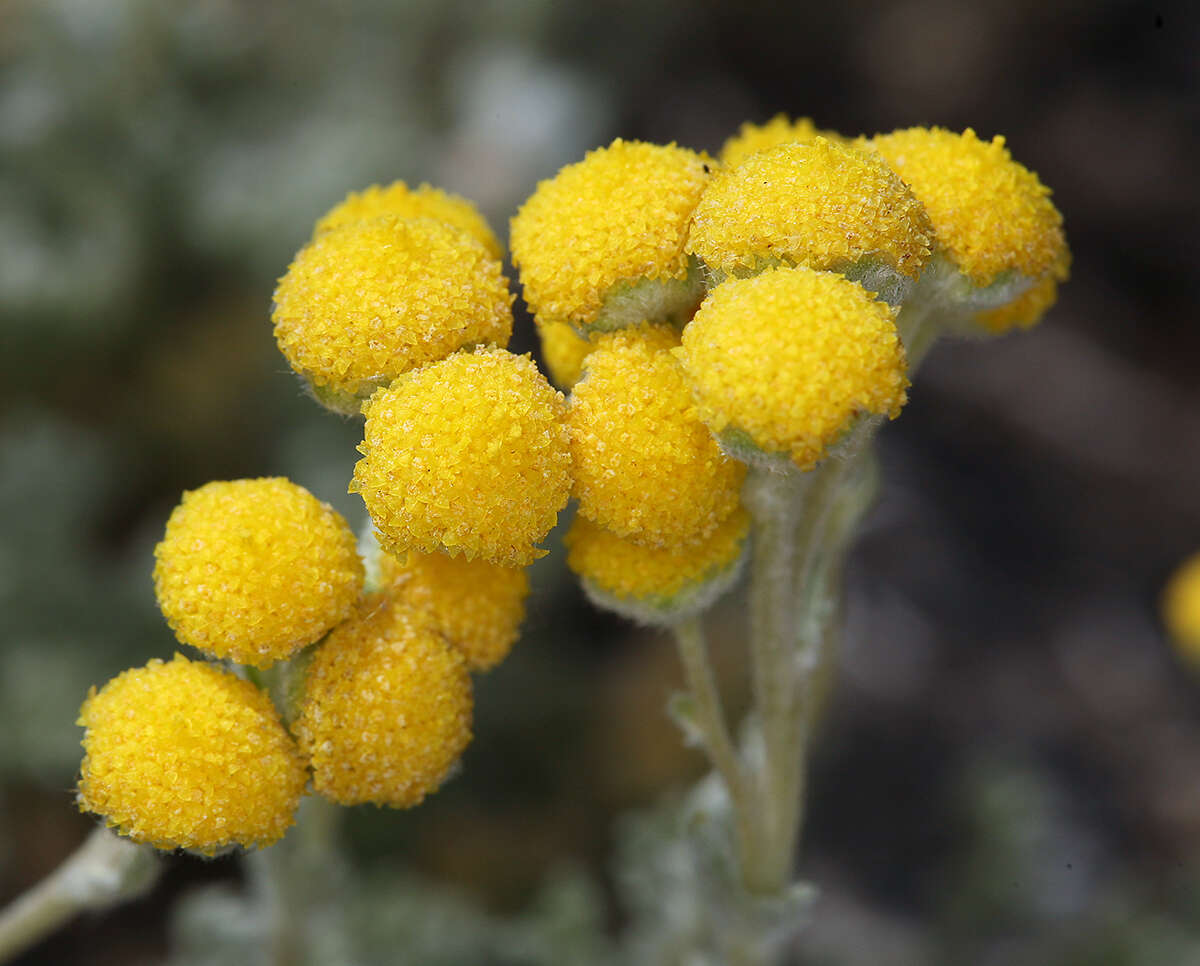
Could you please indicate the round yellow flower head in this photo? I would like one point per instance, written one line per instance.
(369, 300)
(819, 204)
(600, 245)
(1181, 608)
(752, 138)
(186, 755)
(784, 362)
(563, 351)
(386, 710)
(657, 586)
(476, 605)
(991, 215)
(255, 570)
(468, 455)
(646, 467)
(424, 201)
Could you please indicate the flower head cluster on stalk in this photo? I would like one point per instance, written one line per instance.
(704, 315)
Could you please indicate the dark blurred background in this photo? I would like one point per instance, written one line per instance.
(1011, 769)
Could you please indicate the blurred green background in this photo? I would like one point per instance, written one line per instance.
(1011, 770)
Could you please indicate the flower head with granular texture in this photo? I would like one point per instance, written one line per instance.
(183, 754)
(255, 570)
(369, 300)
(424, 201)
(752, 138)
(991, 215)
(563, 351)
(468, 455)
(600, 245)
(652, 585)
(646, 467)
(790, 358)
(386, 710)
(1181, 608)
(476, 605)
(818, 204)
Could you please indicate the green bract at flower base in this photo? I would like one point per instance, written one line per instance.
(652, 586)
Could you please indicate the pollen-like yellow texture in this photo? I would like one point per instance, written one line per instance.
(791, 357)
(369, 300)
(633, 573)
(468, 455)
(1181, 608)
(423, 201)
(255, 570)
(991, 215)
(386, 710)
(819, 204)
(185, 755)
(476, 605)
(617, 217)
(646, 466)
(752, 138)
(563, 351)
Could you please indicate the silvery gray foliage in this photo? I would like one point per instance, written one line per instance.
(677, 874)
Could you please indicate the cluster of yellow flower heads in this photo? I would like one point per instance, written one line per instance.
(703, 314)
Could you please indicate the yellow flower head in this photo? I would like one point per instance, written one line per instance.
(255, 570)
(646, 467)
(789, 358)
(655, 586)
(820, 204)
(424, 201)
(186, 755)
(1181, 608)
(563, 351)
(600, 245)
(369, 300)
(752, 138)
(386, 710)
(468, 455)
(991, 215)
(476, 605)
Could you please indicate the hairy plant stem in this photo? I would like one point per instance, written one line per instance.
(295, 878)
(709, 720)
(774, 500)
(105, 870)
(802, 526)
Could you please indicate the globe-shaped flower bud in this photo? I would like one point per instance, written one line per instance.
(255, 570)
(600, 245)
(563, 351)
(476, 605)
(1181, 608)
(657, 585)
(819, 204)
(646, 466)
(386, 710)
(366, 301)
(183, 754)
(993, 218)
(468, 455)
(424, 201)
(752, 138)
(784, 363)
